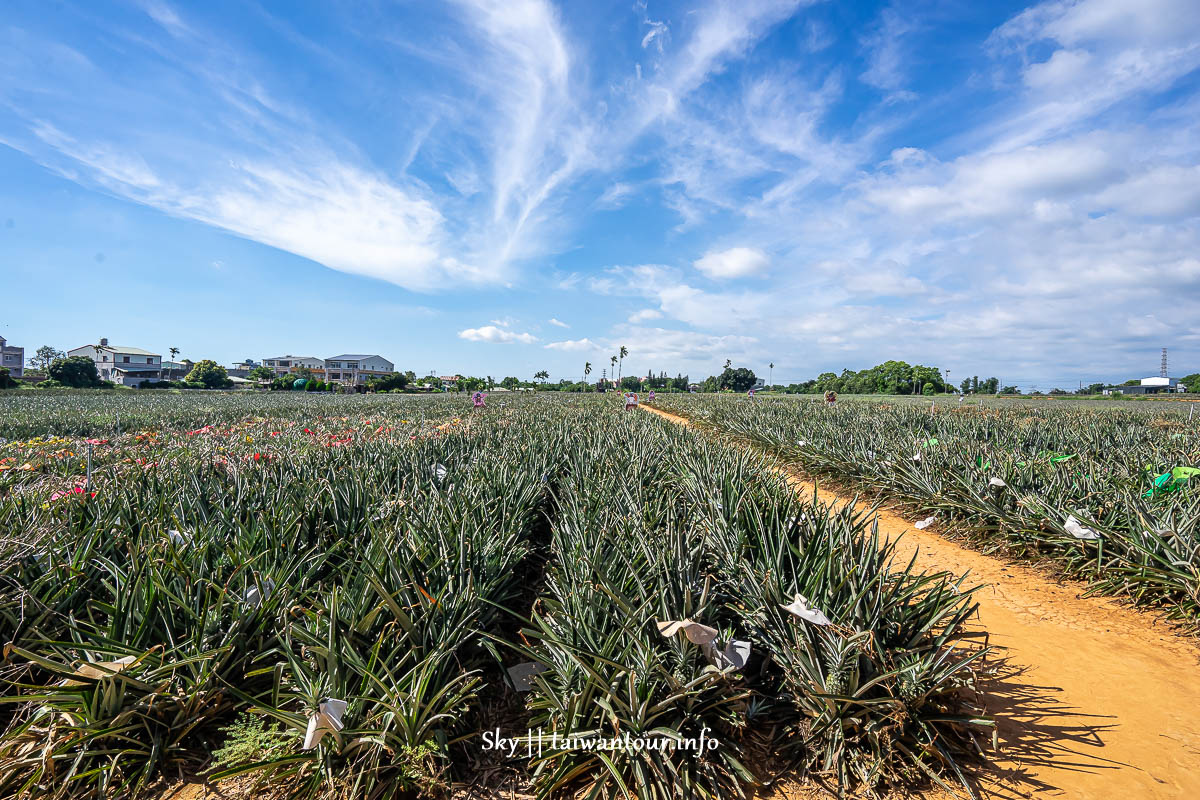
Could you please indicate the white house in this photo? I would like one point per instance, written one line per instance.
(13, 358)
(356, 369)
(128, 366)
(284, 365)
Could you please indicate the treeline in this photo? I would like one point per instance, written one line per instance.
(894, 377)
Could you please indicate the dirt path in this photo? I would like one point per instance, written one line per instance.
(1094, 699)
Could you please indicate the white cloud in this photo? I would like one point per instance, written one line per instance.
(490, 333)
(886, 54)
(736, 262)
(1101, 53)
(645, 315)
(676, 349)
(573, 345)
(558, 323)
(658, 31)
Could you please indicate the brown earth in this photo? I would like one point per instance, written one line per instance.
(1093, 699)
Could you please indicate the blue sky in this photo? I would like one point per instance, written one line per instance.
(501, 187)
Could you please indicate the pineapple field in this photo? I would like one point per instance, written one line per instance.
(1108, 495)
(395, 596)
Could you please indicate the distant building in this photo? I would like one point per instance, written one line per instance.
(450, 382)
(242, 368)
(1155, 385)
(13, 358)
(285, 365)
(356, 369)
(176, 370)
(121, 364)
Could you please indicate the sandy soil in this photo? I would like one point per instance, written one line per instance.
(1093, 699)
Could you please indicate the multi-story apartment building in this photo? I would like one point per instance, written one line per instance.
(285, 365)
(13, 358)
(128, 366)
(353, 369)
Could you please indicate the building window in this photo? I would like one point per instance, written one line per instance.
(124, 359)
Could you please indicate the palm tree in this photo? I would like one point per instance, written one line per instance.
(728, 361)
(771, 374)
(541, 376)
(174, 351)
(614, 363)
(587, 370)
(623, 352)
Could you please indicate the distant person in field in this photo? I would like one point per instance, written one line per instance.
(479, 399)
(750, 394)
(830, 398)
(631, 400)
(650, 399)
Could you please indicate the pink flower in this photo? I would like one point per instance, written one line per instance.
(97, 441)
(77, 490)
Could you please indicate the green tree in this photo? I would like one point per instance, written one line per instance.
(622, 353)
(44, 356)
(396, 381)
(174, 351)
(260, 373)
(472, 384)
(209, 374)
(510, 383)
(1192, 382)
(541, 376)
(631, 384)
(75, 371)
(587, 370)
(736, 380)
(6, 380)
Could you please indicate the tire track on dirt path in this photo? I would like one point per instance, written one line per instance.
(1093, 699)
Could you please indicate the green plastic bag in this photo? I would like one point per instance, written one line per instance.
(1171, 481)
